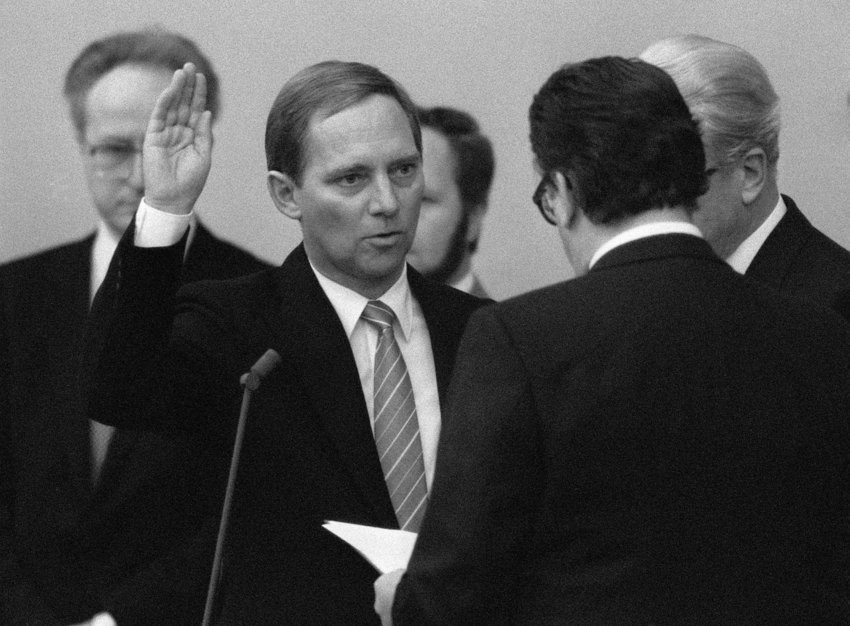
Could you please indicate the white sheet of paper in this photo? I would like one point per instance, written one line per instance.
(386, 549)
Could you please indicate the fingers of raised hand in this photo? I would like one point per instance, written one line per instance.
(165, 110)
(184, 104)
(199, 100)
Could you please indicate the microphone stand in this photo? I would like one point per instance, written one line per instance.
(251, 382)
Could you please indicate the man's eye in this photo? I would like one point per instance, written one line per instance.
(350, 180)
(407, 170)
(112, 154)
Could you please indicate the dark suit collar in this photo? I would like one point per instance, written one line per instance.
(307, 332)
(443, 339)
(304, 328)
(774, 259)
(654, 248)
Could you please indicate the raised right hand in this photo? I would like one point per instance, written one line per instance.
(178, 144)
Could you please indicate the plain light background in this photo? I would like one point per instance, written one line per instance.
(486, 56)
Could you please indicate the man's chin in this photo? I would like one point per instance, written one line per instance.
(119, 224)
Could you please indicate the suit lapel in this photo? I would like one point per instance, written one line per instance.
(74, 312)
(774, 259)
(445, 327)
(308, 332)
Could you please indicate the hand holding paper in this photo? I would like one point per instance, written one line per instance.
(385, 587)
(385, 548)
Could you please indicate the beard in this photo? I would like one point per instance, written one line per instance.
(455, 253)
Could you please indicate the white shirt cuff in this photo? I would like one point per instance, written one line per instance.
(157, 229)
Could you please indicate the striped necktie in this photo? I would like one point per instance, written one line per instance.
(396, 424)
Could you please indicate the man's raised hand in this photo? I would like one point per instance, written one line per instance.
(178, 144)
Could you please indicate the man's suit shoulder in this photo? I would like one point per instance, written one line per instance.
(799, 259)
(211, 257)
(447, 310)
(33, 265)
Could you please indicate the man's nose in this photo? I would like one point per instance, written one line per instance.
(136, 177)
(384, 199)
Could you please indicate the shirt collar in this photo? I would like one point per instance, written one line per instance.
(105, 243)
(744, 254)
(642, 231)
(465, 282)
(349, 304)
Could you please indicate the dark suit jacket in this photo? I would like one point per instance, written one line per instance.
(308, 453)
(69, 548)
(800, 261)
(659, 441)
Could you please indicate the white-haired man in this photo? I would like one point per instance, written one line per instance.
(760, 232)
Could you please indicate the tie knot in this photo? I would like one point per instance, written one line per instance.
(378, 315)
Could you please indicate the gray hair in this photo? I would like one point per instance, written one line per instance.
(728, 92)
(152, 46)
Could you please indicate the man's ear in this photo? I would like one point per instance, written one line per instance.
(282, 190)
(755, 169)
(562, 200)
(475, 219)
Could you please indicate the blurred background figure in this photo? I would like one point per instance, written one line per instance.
(94, 521)
(760, 232)
(458, 164)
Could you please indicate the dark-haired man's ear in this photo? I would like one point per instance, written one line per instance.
(561, 198)
(282, 190)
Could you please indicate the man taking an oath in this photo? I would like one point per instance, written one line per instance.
(346, 426)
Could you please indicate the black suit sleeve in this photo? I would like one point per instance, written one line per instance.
(171, 589)
(145, 365)
(484, 501)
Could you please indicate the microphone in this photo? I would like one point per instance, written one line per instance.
(259, 370)
(250, 380)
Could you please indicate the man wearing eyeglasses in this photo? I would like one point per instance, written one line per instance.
(97, 522)
(659, 440)
(757, 230)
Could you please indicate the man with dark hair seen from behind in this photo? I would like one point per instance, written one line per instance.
(458, 164)
(659, 440)
(346, 427)
(757, 230)
(95, 522)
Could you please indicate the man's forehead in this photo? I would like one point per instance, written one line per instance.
(375, 127)
(124, 97)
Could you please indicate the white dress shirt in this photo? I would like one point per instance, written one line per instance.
(156, 228)
(105, 242)
(100, 435)
(642, 231)
(742, 258)
(414, 340)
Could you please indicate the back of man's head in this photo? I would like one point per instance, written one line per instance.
(155, 47)
(727, 90)
(622, 132)
(473, 152)
(325, 88)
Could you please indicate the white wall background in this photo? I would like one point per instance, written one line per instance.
(485, 56)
